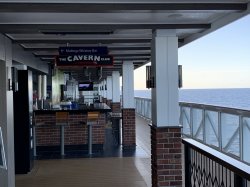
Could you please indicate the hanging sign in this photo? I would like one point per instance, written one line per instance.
(84, 60)
(83, 50)
(84, 56)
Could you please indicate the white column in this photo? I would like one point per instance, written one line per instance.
(104, 90)
(44, 87)
(128, 84)
(116, 86)
(99, 89)
(39, 87)
(109, 88)
(165, 95)
(7, 176)
(102, 93)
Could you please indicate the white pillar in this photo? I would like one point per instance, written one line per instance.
(109, 88)
(7, 176)
(44, 87)
(39, 87)
(99, 89)
(128, 84)
(116, 86)
(165, 98)
(104, 90)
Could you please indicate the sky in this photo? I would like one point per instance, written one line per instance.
(220, 59)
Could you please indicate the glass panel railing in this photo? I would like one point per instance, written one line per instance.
(225, 129)
(212, 128)
(230, 133)
(245, 139)
(198, 123)
(185, 120)
(143, 107)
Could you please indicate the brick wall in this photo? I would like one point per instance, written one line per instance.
(128, 127)
(116, 107)
(76, 133)
(166, 156)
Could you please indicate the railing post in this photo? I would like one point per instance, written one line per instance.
(187, 157)
(150, 111)
(204, 125)
(181, 117)
(191, 122)
(241, 136)
(219, 131)
(141, 106)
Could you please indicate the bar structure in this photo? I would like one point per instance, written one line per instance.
(75, 133)
(77, 52)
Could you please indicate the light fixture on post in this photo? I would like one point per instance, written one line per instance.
(149, 77)
(180, 82)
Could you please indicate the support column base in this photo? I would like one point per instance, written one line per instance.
(116, 107)
(128, 128)
(166, 153)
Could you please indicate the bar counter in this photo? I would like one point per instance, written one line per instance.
(75, 132)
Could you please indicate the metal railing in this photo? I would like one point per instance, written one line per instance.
(225, 129)
(143, 107)
(205, 166)
(216, 143)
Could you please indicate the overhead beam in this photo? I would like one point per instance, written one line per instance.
(21, 56)
(114, 55)
(110, 48)
(34, 28)
(84, 7)
(80, 41)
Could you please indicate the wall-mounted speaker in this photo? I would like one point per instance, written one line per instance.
(149, 78)
(180, 82)
(14, 74)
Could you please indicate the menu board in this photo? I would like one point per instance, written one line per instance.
(2, 153)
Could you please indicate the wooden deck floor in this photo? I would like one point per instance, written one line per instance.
(92, 172)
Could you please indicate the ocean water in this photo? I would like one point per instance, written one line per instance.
(233, 98)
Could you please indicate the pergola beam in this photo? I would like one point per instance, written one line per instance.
(34, 28)
(70, 7)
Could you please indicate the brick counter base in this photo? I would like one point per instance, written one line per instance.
(76, 133)
(166, 156)
(128, 128)
(116, 107)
